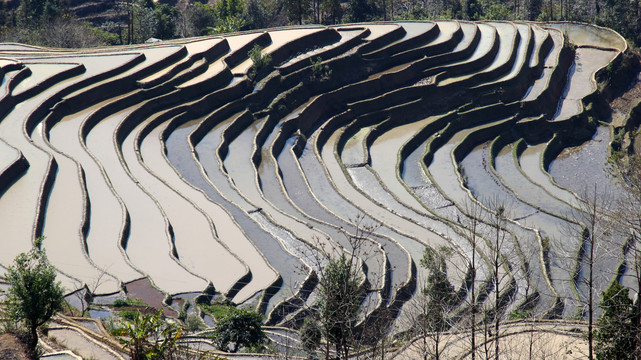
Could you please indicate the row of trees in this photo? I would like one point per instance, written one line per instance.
(51, 23)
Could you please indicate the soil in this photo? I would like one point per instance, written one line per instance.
(621, 105)
(13, 348)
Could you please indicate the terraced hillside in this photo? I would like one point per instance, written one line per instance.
(169, 162)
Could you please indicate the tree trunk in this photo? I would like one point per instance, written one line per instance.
(497, 282)
(591, 281)
(473, 294)
(33, 338)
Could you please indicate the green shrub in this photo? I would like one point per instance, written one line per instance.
(259, 61)
(119, 303)
(129, 315)
(239, 329)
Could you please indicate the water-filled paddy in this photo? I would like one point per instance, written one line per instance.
(166, 168)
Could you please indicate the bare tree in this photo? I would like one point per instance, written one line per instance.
(341, 289)
(474, 215)
(591, 225)
(497, 222)
(626, 169)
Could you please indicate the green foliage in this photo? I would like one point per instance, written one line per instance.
(310, 335)
(520, 314)
(320, 72)
(218, 309)
(359, 11)
(259, 61)
(333, 10)
(194, 323)
(34, 295)
(616, 334)
(33, 13)
(118, 303)
(196, 20)
(165, 24)
(339, 301)
(229, 8)
(113, 325)
(229, 24)
(129, 315)
(497, 11)
(239, 329)
(439, 291)
(296, 10)
(148, 337)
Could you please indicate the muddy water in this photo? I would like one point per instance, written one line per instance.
(530, 163)
(295, 184)
(93, 63)
(412, 30)
(346, 35)
(4, 83)
(243, 175)
(107, 213)
(505, 35)
(385, 154)
(443, 171)
(580, 168)
(153, 55)
(237, 163)
(447, 30)
(538, 86)
(484, 46)
(144, 289)
(482, 180)
(376, 30)
(193, 48)
(193, 231)
(582, 34)
(346, 189)
(228, 232)
(279, 38)
(213, 69)
(269, 196)
(63, 222)
(179, 154)
(8, 155)
(539, 36)
(354, 150)
(581, 80)
(533, 194)
(521, 52)
(273, 190)
(148, 246)
(82, 344)
(443, 207)
(527, 191)
(40, 73)
(19, 204)
(413, 173)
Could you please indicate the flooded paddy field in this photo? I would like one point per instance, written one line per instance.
(166, 173)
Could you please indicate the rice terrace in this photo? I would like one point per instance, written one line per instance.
(233, 168)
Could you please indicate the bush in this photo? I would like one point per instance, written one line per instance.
(616, 334)
(149, 337)
(259, 61)
(34, 295)
(239, 329)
